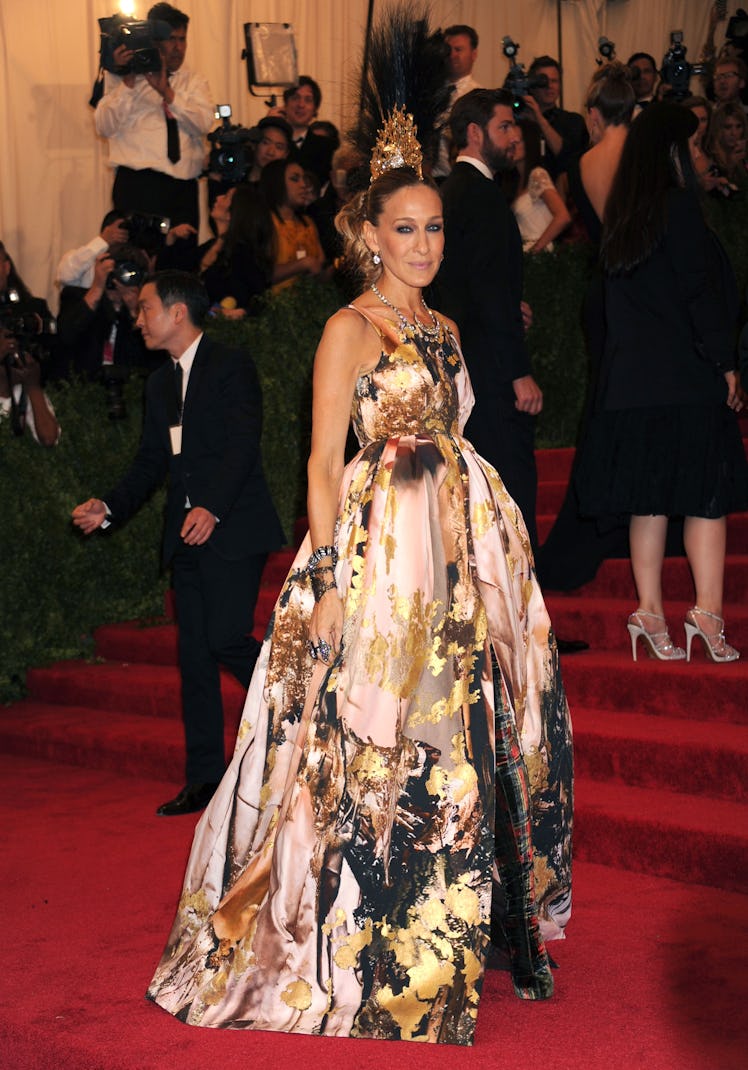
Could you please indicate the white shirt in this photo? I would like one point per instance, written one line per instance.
(477, 164)
(463, 85)
(530, 210)
(186, 361)
(76, 267)
(134, 122)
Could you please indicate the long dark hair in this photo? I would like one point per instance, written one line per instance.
(655, 160)
(250, 224)
(273, 186)
(533, 141)
(15, 282)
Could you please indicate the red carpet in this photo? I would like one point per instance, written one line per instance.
(652, 974)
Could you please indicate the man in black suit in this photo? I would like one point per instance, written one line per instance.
(479, 285)
(202, 428)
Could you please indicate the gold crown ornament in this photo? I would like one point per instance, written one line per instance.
(397, 145)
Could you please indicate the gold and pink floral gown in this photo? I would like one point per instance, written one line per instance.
(340, 882)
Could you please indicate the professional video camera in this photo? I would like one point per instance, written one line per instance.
(232, 152)
(518, 82)
(676, 70)
(141, 38)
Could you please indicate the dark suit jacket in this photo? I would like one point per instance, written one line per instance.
(315, 154)
(671, 320)
(220, 466)
(479, 284)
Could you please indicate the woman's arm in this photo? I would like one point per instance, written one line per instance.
(46, 427)
(560, 217)
(306, 265)
(348, 346)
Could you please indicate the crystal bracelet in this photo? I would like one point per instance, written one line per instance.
(319, 555)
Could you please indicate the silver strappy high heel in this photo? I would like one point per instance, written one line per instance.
(716, 646)
(659, 644)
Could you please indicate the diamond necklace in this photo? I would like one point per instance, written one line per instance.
(417, 324)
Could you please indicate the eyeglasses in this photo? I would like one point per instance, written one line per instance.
(725, 76)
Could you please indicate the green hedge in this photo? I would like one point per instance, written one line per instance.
(59, 586)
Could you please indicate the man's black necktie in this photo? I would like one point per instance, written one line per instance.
(172, 136)
(178, 383)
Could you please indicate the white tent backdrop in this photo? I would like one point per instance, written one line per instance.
(54, 179)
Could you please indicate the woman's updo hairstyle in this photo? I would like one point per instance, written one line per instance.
(369, 205)
(612, 93)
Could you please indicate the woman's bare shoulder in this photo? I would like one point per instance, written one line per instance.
(449, 324)
(351, 337)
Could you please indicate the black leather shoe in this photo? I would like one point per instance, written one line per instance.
(191, 798)
(571, 646)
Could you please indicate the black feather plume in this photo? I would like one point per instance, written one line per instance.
(406, 65)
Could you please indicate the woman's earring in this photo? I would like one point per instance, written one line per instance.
(376, 258)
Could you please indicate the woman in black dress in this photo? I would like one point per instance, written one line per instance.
(576, 545)
(664, 440)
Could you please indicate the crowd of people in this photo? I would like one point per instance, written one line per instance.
(405, 749)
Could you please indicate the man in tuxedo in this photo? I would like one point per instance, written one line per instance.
(202, 428)
(479, 285)
(645, 75)
(302, 103)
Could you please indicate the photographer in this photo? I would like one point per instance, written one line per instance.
(96, 327)
(76, 266)
(21, 395)
(156, 125)
(564, 132)
(20, 389)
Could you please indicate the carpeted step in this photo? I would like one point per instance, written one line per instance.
(643, 751)
(554, 465)
(131, 642)
(146, 690)
(551, 494)
(602, 622)
(686, 837)
(614, 580)
(78, 735)
(276, 568)
(696, 691)
(680, 835)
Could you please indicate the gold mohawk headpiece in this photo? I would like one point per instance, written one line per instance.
(397, 145)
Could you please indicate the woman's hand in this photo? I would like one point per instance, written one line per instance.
(180, 232)
(312, 265)
(326, 626)
(733, 397)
